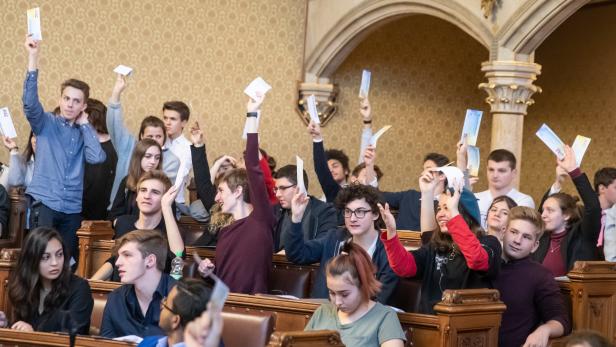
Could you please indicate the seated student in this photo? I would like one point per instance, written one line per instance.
(358, 175)
(569, 236)
(535, 309)
(155, 196)
(352, 312)
(318, 218)
(360, 205)
(185, 302)
(147, 156)
(124, 142)
(134, 308)
(501, 172)
(245, 247)
(175, 117)
(98, 178)
(605, 187)
(458, 256)
(44, 293)
(205, 330)
(587, 338)
(221, 165)
(498, 215)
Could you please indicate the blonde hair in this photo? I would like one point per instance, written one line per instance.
(530, 215)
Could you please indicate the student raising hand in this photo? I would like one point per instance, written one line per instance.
(196, 135)
(298, 205)
(568, 163)
(314, 130)
(390, 221)
(428, 181)
(120, 84)
(365, 110)
(205, 330)
(254, 105)
(454, 198)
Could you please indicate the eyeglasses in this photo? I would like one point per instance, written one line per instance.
(359, 213)
(282, 188)
(163, 304)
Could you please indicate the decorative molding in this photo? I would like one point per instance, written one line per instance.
(487, 6)
(325, 94)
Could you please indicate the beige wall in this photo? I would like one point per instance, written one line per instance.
(579, 95)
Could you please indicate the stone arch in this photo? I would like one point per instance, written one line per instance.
(350, 30)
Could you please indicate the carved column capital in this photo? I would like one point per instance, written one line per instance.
(510, 85)
(325, 95)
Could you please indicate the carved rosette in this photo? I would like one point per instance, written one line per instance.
(325, 95)
(510, 85)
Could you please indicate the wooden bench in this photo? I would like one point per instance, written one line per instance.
(10, 337)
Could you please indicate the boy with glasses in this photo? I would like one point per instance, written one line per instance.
(361, 220)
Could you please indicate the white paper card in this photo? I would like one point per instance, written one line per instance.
(452, 173)
(551, 140)
(311, 102)
(300, 175)
(257, 86)
(375, 137)
(123, 70)
(472, 155)
(181, 177)
(34, 23)
(245, 133)
(6, 123)
(219, 293)
(472, 122)
(579, 147)
(364, 88)
(129, 338)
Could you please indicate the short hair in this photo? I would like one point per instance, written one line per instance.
(77, 84)
(191, 299)
(568, 205)
(158, 175)
(355, 261)
(236, 178)
(97, 115)
(290, 172)
(500, 155)
(439, 159)
(134, 167)
(587, 338)
(530, 215)
(178, 107)
(154, 122)
(336, 154)
(148, 242)
(604, 176)
(362, 166)
(356, 191)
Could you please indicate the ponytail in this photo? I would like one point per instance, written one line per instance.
(355, 261)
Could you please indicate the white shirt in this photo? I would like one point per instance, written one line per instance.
(485, 198)
(180, 146)
(609, 234)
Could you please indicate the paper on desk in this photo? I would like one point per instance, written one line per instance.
(123, 70)
(34, 23)
(452, 173)
(472, 155)
(6, 123)
(472, 122)
(300, 174)
(257, 86)
(375, 137)
(579, 147)
(311, 103)
(364, 88)
(551, 140)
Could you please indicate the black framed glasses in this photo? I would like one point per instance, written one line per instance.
(283, 188)
(163, 304)
(359, 213)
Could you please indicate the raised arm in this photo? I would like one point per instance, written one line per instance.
(32, 106)
(17, 164)
(176, 244)
(326, 180)
(205, 187)
(428, 181)
(121, 138)
(370, 159)
(366, 114)
(402, 262)
(296, 249)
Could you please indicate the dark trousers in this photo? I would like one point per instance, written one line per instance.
(66, 224)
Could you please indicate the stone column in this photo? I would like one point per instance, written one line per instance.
(509, 87)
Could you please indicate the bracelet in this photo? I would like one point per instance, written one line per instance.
(368, 121)
(252, 114)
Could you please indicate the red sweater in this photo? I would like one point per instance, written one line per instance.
(245, 247)
(269, 180)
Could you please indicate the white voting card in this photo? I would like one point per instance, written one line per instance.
(551, 140)
(311, 102)
(472, 121)
(123, 70)
(472, 155)
(453, 174)
(364, 88)
(257, 86)
(219, 293)
(34, 23)
(300, 174)
(6, 123)
(180, 179)
(579, 147)
(375, 137)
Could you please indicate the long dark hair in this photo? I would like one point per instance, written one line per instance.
(134, 167)
(444, 243)
(25, 282)
(29, 151)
